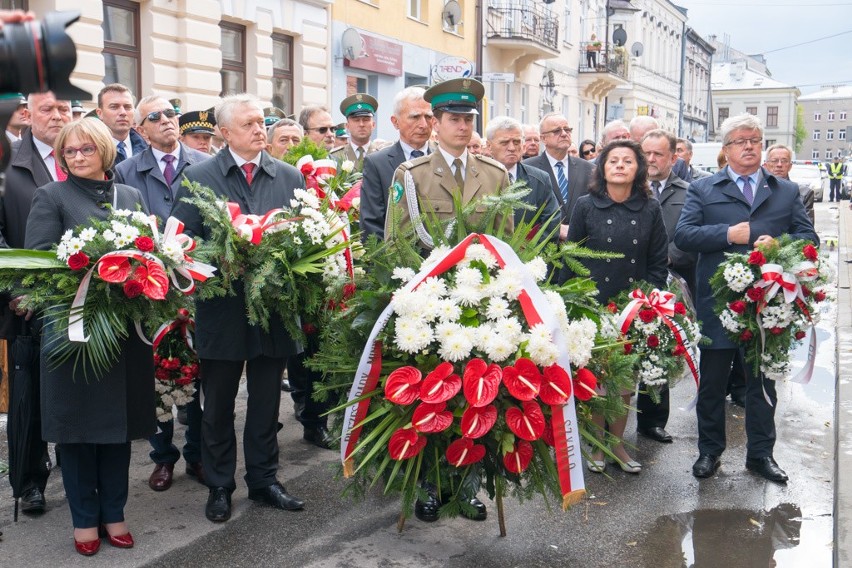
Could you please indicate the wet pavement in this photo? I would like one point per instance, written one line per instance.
(660, 518)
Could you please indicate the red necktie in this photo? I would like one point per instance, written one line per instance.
(60, 175)
(248, 168)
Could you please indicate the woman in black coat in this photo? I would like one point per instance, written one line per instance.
(619, 215)
(92, 422)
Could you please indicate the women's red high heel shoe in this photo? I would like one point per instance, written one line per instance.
(88, 548)
(120, 541)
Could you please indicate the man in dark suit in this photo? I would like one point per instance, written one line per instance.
(245, 174)
(505, 137)
(156, 172)
(115, 109)
(32, 165)
(569, 176)
(737, 208)
(660, 149)
(412, 116)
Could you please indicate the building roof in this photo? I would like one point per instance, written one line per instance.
(735, 75)
(830, 93)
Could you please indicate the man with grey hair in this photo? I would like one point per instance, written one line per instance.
(684, 152)
(412, 116)
(282, 136)
(615, 130)
(532, 141)
(506, 142)
(316, 121)
(641, 125)
(242, 173)
(779, 162)
(734, 210)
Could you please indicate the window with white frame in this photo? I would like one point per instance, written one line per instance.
(817, 116)
(841, 134)
(523, 109)
(414, 9)
(566, 25)
(829, 154)
(829, 134)
(842, 115)
(814, 154)
(816, 135)
(830, 116)
(492, 98)
(508, 100)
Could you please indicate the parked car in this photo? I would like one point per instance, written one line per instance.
(809, 175)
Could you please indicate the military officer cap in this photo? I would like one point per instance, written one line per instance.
(77, 106)
(201, 121)
(271, 115)
(459, 96)
(359, 104)
(176, 104)
(340, 131)
(92, 114)
(22, 100)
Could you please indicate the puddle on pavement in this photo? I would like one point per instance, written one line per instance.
(736, 538)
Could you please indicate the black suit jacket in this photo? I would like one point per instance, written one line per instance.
(137, 145)
(579, 176)
(142, 172)
(379, 168)
(26, 173)
(541, 196)
(222, 328)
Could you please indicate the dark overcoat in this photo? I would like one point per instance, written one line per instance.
(715, 203)
(541, 195)
(375, 185)
(119, 405)
(580, 173)
(222, 328)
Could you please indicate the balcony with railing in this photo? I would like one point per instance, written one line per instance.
(603, 67)
(523, 31)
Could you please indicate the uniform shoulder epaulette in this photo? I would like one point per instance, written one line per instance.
(490, 161)
(338, 150)
(408, 164)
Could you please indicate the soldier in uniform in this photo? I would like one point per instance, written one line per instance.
(359, 110)
(197, 129)
(272, 115)
(450, 169)
(341, 135)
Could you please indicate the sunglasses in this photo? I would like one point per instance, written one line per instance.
(70, 152)
(588, 152)
(155, 116)
(322, 129)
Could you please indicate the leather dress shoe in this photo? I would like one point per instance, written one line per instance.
(738, 400)
(656, 433)
(88, 548)
(479, 513)
(276, 496)
(32, 501)
(319, 436)
(766, 468)
(218, 507)
(286, 386)
(706, 465)
(161, 477)
(120, 541)
(195, 470)
(427, 510)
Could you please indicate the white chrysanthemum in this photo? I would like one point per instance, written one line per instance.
(498, 348)
(539, 332)
(140, 217)
(448, 310)
(434, 286)
(173, 251)
(403, 273)
(88, 234)
(455, 347)
(537, 268)
(468, 277)
(509, 328)
(62, 251)
(122, 212)
(466, 295)
(580, 340)
(542, 353)
(509, 283)
(738, 276)
(437, 254)
(67, 235)
(729, 321)
(414, 339)
(497, 308)
(647, 328)
(609, 329)
(404, 303)
(307, 198)
(75, 245)
(445, 330)
(479, 252)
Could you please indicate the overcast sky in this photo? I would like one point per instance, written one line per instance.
(759, 26)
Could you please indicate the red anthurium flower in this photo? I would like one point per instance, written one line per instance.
(153, 278)
(523, 380)
(585, 384)
(556, 386)
(477, 421)
(405, 443)
(464, 452)
(810, 252)
(114, 269)
(517, 461)
(481, 382)
(431, 418)
(402, 386)
(440, 385)
(547, 435)
(528, 423)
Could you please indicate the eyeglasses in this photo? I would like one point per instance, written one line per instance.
(743, 141)
(560, 130)
(69, 152)
(777, 162)
(322, 129)
(589, 152)
(155, 116)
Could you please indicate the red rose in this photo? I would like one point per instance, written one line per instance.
(680, 309)
(738, 307)
(628, 348)
(755, 294)
(806, 292)
(800, 335)
(678, 350)
(145, 244)
(307, 169)
(162, 374)
(78, 260)
(348, 290)
(183, 380)
(819, 295)
(756, 257)
(612, 307)
(810, 252)
(746, 335)
(653, 341)
(186, 370)
(647, 316)
(132, 288)
(309, 328)
(776, 330)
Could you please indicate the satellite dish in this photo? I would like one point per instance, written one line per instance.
(352, 44)
(451, 13)
(637, 48)
(619, 37)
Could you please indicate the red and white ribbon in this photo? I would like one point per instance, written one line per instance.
(536, 309)
(191, 270)
(253, 227)
(185, 326)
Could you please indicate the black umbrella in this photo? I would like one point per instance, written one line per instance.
(27, 459)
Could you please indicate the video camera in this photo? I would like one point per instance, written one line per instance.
(35, 57)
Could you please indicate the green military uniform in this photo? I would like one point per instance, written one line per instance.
(433, 178)
(359, 104)
(271, 115)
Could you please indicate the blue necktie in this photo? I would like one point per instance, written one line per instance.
(747, 191)
(562, 180)
(416, 154)
(121, 155)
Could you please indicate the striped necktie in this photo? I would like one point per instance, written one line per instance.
(747, 191)
(562, 180)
